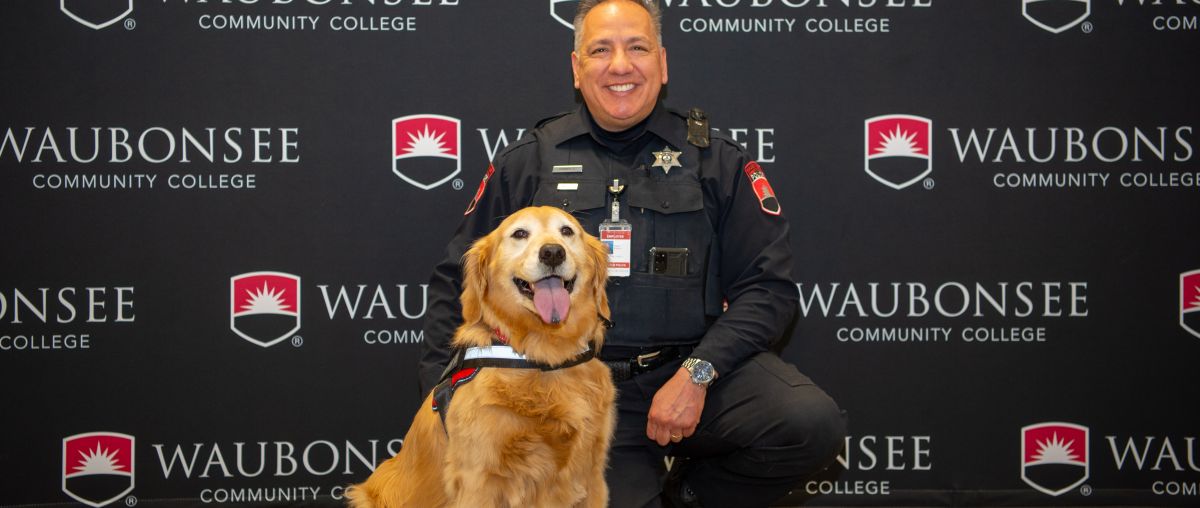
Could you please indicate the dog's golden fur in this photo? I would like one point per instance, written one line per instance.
(515, 437)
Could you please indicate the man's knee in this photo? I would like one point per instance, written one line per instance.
(811, 432)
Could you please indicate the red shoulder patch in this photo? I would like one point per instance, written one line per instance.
(762, 188)
(479, 193)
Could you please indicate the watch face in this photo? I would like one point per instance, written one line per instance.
(702, 372)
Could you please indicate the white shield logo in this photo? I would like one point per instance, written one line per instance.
(1189, 301)
(264, 306)
(564, 12)
(425, 149)
(1054, 456)
(96, 14)
(97, 467)
(1056, 16)
(899, 149)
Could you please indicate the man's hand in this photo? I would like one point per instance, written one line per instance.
(676, 409)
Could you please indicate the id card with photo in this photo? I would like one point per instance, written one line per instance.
(618, 237)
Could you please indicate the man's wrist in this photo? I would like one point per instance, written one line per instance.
(700, 371)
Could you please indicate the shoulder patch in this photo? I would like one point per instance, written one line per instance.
(762, 188)
(482, 186)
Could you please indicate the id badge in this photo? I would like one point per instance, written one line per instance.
(618, 237)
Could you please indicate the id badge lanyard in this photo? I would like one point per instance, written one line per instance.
(617, 234)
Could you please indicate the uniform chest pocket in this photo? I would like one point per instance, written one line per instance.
(666, 196)
(673, 216)
(570, 193)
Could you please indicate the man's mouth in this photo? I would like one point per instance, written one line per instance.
(621, 88)
(551, 297)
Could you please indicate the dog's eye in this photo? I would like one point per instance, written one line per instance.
(520, 234)
(567, 231)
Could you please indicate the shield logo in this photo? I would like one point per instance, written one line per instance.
(564, 12)
(425, 149)
(96, 14)
(1189, 301)
(1056, 16)
(1054, 456)
(97, 467)
(899, 149)
(762, 188)
(264, 306)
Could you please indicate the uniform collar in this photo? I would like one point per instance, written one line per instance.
(661, 122)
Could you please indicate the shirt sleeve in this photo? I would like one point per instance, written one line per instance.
(755, 266)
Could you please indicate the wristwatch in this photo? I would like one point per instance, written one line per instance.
(702, 371)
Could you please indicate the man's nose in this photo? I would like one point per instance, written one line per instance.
(621, 63)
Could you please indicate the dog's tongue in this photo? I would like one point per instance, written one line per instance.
(551, 300)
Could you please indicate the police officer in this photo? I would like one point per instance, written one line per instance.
(700, 278)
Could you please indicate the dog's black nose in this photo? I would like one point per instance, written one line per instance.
(552, 254)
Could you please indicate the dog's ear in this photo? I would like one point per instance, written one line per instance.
(598, 257)
(474, 271)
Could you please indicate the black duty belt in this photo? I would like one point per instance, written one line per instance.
(640, 361)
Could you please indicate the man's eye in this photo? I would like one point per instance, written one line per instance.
(520, 234)
(567, 231)
(598, 51)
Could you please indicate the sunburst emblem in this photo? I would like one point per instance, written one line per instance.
(1196, 300)
(265, 300)
(98, 461)
(898, 143)
(426, 143)
(1055, 451)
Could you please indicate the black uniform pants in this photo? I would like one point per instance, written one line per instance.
(765, 427)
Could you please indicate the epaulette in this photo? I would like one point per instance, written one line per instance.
(551, 118)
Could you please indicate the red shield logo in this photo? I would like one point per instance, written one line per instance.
(1189, 301)
(96, 14)
(762, 188)
(97, 467)
(425, 149)
(899, 149)
(1054, 456)
(264, 306)
(1056, 16)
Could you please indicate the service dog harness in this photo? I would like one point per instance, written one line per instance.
(467, 363)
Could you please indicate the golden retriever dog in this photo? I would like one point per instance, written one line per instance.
(517, 437)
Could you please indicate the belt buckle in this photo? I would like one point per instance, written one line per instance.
(644, 357)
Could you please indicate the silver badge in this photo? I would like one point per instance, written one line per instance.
(667, 159)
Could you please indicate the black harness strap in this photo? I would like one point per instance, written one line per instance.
(461, 371)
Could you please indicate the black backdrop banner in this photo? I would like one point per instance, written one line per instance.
(219, 218)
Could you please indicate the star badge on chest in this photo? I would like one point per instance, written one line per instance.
(667, 159)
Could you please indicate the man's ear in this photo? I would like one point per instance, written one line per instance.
(575, 69)
(662, 55)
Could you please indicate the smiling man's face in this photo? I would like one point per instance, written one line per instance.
(619, 66)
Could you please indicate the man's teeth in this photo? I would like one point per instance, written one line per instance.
(621, 88)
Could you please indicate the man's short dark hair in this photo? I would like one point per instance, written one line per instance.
(586, 6)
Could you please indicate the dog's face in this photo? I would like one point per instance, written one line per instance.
(538, 271)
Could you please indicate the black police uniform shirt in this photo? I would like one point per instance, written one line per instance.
(736, 239)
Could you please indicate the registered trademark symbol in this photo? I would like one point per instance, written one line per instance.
(131, 501)
(130, 24)
(1086, 490)
(297, 341)
(1087, 27)
(457, 184)
(928, 183)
